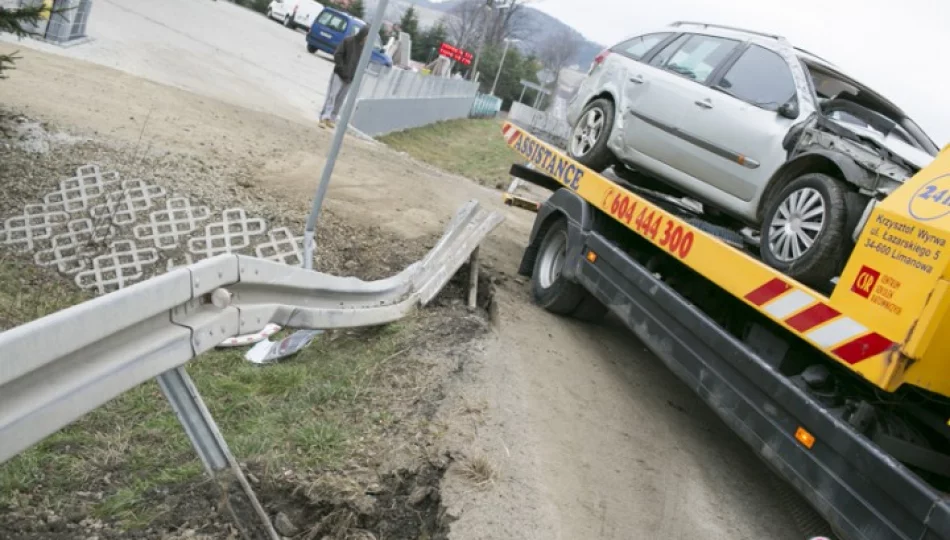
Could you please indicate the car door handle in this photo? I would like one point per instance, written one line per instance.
(705, 103)
(637, 79)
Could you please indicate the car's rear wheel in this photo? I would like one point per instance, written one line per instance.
(804, 229)
(311, 49)
(589, 136)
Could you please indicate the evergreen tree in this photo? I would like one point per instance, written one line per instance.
(17, 21)
(409, 23)
(426, 47)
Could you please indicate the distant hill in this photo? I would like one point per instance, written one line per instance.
(544, 25)
(540, 23)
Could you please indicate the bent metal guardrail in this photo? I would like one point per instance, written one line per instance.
(58, 368)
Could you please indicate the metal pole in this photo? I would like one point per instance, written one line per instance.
(501, 65)
(481, 44)
(309, 237)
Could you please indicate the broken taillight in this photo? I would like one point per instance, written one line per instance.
(598, 60)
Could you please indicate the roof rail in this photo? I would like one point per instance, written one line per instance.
(809, 53)
(724, 27)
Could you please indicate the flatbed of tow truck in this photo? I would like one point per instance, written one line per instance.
(843, 395)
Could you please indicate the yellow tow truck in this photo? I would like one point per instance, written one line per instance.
(846, 396)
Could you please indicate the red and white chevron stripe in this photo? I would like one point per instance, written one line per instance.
(820, 323)
(510, 132)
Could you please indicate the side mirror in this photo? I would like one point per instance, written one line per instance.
(789, 110)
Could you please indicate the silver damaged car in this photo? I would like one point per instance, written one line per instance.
(764, 134)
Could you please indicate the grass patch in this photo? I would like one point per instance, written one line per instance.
(305, 414)
(471, 148)
(28, 292)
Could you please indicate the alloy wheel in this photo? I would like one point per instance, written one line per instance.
(587, 132)
(796, 224)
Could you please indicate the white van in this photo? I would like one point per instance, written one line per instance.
(294, 13)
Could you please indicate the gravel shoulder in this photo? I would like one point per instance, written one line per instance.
(554, 429)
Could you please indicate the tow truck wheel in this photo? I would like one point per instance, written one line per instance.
(588, 143)
(554, 292)
(804, 229)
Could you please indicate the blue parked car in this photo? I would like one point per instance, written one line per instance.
(331, 26)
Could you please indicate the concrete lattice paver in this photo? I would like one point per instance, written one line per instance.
(108, 233)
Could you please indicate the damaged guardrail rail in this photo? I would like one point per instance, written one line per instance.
(58, 368)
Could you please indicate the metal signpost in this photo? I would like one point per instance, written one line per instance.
(309, 242)
(501, 65)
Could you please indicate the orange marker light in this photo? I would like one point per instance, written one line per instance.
(591, 256)
(807, 439)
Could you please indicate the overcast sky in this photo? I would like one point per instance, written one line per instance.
(893, 46)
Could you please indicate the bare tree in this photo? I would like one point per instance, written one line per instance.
(472, 21)
(467, 23)
(509, 21)
(557, 50)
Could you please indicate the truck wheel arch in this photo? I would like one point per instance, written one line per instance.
(563, 204)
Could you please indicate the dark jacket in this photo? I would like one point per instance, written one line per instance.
(347, 55)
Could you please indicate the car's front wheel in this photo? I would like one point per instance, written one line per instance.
(804, 229)
(589, 136)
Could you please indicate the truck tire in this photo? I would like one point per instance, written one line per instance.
(588, 143)
(550, 289)
(804, 229)
(590, 309)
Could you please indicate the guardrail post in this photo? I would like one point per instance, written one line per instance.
(195, 418)
(473, 280)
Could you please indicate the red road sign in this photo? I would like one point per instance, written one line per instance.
(459, 55)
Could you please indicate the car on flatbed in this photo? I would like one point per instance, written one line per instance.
(766, 135)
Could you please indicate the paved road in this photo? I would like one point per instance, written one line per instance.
(216, 49)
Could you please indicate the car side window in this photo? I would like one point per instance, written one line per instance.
(637, 47)
(665, 53)
(760, 77)
(697, 57)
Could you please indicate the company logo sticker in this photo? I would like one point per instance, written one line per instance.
(865, 282)
(932, 200)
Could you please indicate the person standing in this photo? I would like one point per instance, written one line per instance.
(345, 60)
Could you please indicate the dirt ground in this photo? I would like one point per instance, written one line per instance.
(566, 430)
